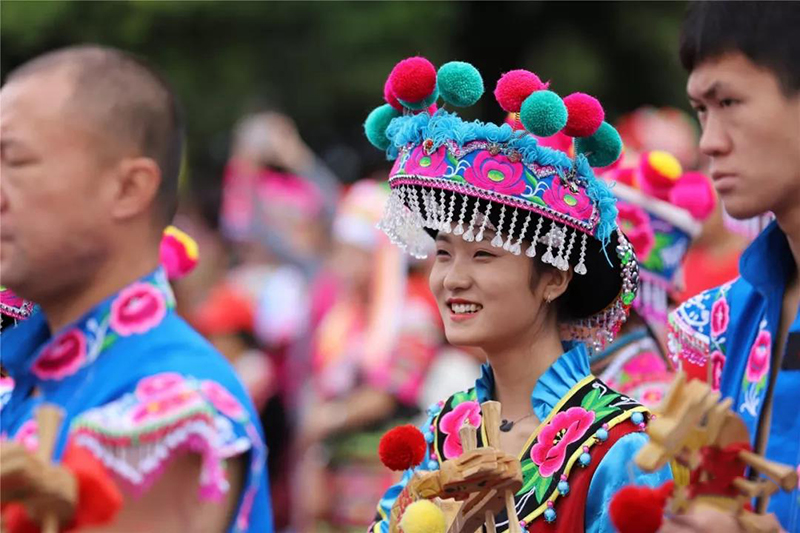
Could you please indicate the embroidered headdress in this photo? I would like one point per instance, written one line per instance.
(466, 178)
(660, 210)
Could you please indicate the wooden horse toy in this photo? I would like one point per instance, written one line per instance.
(38, 495)
(699, 433)
(467, 492)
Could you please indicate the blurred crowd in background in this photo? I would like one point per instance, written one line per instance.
(333, 331)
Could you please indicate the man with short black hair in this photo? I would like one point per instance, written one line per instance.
(744, 64)
(91, 150)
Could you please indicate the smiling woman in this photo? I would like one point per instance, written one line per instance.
(530, 265)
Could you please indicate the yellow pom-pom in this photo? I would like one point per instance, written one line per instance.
(666, 164)
(189, 244)
(423, 516)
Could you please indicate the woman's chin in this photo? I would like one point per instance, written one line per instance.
(464, 339)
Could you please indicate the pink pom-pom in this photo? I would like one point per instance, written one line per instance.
(389, 96)
(514, 87)
(559, 141)
(585, 114)
(413, 79)
(694, 193)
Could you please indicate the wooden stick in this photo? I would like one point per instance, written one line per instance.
(48, 419)
(783, 475)
(491, 423)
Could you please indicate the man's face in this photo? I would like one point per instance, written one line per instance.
(751, 132)
(52, 192)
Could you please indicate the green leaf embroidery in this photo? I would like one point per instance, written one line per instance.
(537, 200)
(532, 181)
(606, 399)
(530, 482)
(452, 159)
(604, 412)
(588, 400)
(542, 485)
(108, 341)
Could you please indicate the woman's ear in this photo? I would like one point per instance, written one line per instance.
(554, 283)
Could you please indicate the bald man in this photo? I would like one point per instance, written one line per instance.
(91, 143)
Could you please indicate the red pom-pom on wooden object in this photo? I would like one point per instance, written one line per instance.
(413, 79)
(514, 87)
(402, 448)
(639, 509)
(585, 114)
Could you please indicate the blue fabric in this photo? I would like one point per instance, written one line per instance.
(753, 303)
(616, 471)
(104, 384)
(613, 472)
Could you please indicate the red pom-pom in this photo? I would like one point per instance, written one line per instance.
(402, 448)
(585, 114)
(694, 193)
(413, 79)
(514, 87)
(389, 96)
(639, 509)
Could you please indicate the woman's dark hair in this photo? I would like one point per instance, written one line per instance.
(766, 32)
(586, 294)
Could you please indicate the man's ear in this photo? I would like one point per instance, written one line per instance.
(137, 183)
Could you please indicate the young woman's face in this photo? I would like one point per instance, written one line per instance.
(484, 293)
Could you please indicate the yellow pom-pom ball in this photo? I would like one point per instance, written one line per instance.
(423, 517)
(665, 164)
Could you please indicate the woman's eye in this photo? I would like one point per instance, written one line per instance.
(727, 102)
(442, 253)
(483, 253)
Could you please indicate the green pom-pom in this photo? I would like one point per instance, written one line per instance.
(460, 84)
(543, 113)
(376, 124)
(422, 104)
(602, 148)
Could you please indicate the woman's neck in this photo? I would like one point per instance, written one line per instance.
(517, 368)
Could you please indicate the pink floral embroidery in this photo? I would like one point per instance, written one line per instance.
(551, 446)
(62, 357)
(717, 362)
(28, 435)
(138, 309)
(564, 200)
(452, 422)
(159, 385)
(758, 362)
(720, 316)
(162, 407)
(421, 164)
(496, 173)
(223, 400)
(635, 224)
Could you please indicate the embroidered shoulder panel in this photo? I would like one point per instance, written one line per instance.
(137, 435)
(565, 438)
(697, 334)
